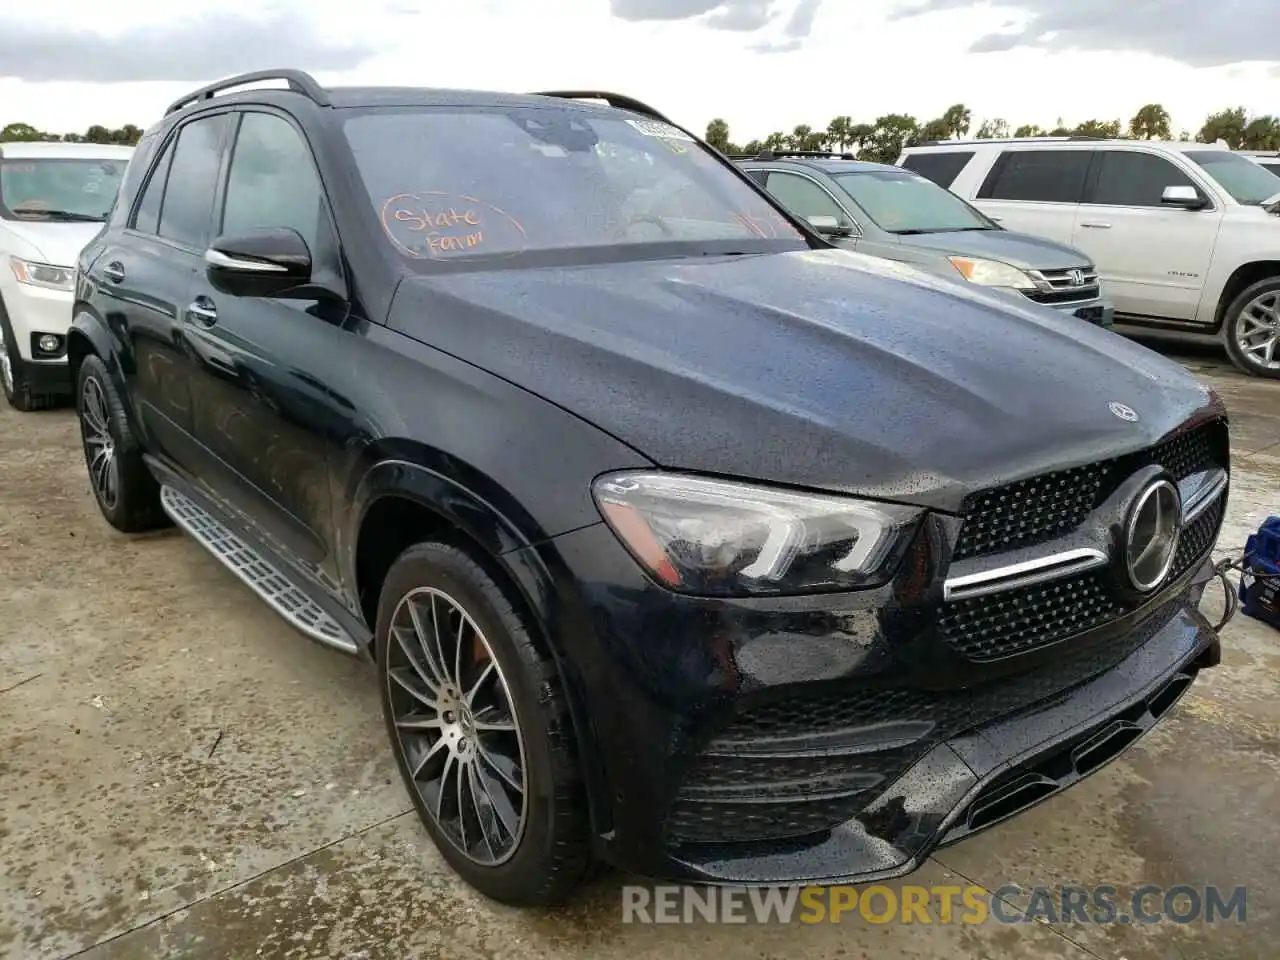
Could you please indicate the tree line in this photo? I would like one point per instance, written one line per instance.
(125, 136)
(884, 139)
(880, 141)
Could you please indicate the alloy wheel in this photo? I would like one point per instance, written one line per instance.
(456, 727)
(1258, 330)
(99, 446)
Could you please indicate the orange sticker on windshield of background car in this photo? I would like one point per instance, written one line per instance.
(432, 224)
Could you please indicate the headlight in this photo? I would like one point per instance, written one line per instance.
(720, 538)
(41, 274)
(992, 273)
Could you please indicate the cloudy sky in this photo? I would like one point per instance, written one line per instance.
(760, 64)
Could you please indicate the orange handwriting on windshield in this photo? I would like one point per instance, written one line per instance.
(455, 222)
(431, 224)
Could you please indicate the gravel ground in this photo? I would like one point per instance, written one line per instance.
(182, 775)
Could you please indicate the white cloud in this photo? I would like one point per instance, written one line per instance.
(760, 64)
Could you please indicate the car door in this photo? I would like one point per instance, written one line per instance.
(147, 275)
(805, 197)
(1152, 258)
(1036, 191)
(259, 410)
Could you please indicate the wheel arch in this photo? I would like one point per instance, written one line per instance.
(1243, 277)
(398, 502)
(88, 334)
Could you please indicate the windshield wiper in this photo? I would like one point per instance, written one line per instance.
(68, 215)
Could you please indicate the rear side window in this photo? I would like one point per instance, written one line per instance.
(940, 166)
(1041, 176)
(1130, 179)
(148, 216)
(132, 180)
(193, 177)
(1272, 165)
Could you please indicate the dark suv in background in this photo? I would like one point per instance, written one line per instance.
(679, 538)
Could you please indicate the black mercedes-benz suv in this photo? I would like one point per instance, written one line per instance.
(679, 539)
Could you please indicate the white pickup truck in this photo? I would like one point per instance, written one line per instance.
(1186, 236)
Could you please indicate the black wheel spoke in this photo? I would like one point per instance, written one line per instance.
(99, 445)
(456, 727)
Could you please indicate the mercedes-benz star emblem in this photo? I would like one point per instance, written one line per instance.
(1151, 535)
(1125, 413)
(1076, 277)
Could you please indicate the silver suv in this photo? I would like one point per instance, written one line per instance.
(888, 212)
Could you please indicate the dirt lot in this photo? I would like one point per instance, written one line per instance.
(182, 775)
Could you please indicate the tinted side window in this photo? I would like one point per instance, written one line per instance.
(193, 177)
(759, 176)
(1133, 179)
(133, 174)
(942, 167)
(273, 181)
(148, 216)
(1044, 176)
(803, 197)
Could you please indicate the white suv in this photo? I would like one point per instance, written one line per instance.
(1186, 236)
(53, 198)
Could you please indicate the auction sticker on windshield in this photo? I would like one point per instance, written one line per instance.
(656, 128)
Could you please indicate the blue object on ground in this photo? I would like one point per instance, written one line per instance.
(1260, 577)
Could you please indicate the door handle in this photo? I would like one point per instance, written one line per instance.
(1096, 225)
(114, 271)
(202, 311)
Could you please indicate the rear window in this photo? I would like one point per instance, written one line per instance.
(1271, 165)
(940, 166)
(1043, 176)
(485, 182)
(65, 189)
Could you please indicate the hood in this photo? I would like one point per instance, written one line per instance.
(56, 243)
(823, 369)
(1017, 249)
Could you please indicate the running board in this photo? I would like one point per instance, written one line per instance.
(261, 576)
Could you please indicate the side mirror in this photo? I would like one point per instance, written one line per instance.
(260, 263)
(1188, 198)
(829, 226)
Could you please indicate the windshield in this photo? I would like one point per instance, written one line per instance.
(901, 202)
(61, 189)
(505, 181)
(1239, 176)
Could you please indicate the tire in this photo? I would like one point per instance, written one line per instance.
(13, 379)
(132, 503)
(549, 853)
(1255, 300)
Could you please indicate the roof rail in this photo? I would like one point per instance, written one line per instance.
(616, 100)
(970, 142)
(299, 81)
(779, 154)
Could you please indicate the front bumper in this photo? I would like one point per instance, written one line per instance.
(34, 311)
(824, 739)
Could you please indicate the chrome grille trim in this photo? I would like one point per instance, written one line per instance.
(1023, 574)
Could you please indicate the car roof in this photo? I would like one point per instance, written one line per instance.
(30, 150)
(826, 164)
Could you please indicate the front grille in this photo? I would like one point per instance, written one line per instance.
(1022, 619)
(736, 792)
(1063, 288)
(1028, 512)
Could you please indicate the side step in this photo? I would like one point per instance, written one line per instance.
(273, 586)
